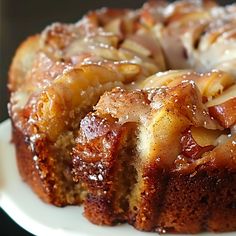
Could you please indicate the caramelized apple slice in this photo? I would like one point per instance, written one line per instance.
(146, 45)
(225, 112)
(70, 96)
(163, 79)
(182, 18)
(190, 148)
(226, 95)
(205, 137)
(223, 107)
(115, 26)
(210, 84)
(138, 48)
(130, 71)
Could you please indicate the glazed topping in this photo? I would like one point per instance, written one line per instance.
(139, 37)
(162, 116)
(68, 67)
(58, 107)
(125, 106)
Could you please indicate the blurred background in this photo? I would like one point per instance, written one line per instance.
(19, 19)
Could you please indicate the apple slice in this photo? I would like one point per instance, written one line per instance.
(214, 83)
(164, 79)
(70, 96)
(182, 18)
(115, 27)
(205, 137)
(225, 112)
(136, 47)
(210, 84)
(190, 148)
(225, 96)
(223, 107)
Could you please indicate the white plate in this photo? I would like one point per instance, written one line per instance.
(26, 209)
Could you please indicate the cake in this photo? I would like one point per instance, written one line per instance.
(133, 113)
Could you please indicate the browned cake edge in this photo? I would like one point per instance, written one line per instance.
(37, 169)
(26, 165)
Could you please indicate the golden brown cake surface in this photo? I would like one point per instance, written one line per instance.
(132, 112)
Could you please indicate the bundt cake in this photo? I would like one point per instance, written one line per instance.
(133, 113)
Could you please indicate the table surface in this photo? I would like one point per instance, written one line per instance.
(17, 21)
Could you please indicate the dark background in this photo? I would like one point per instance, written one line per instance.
(19, 19)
